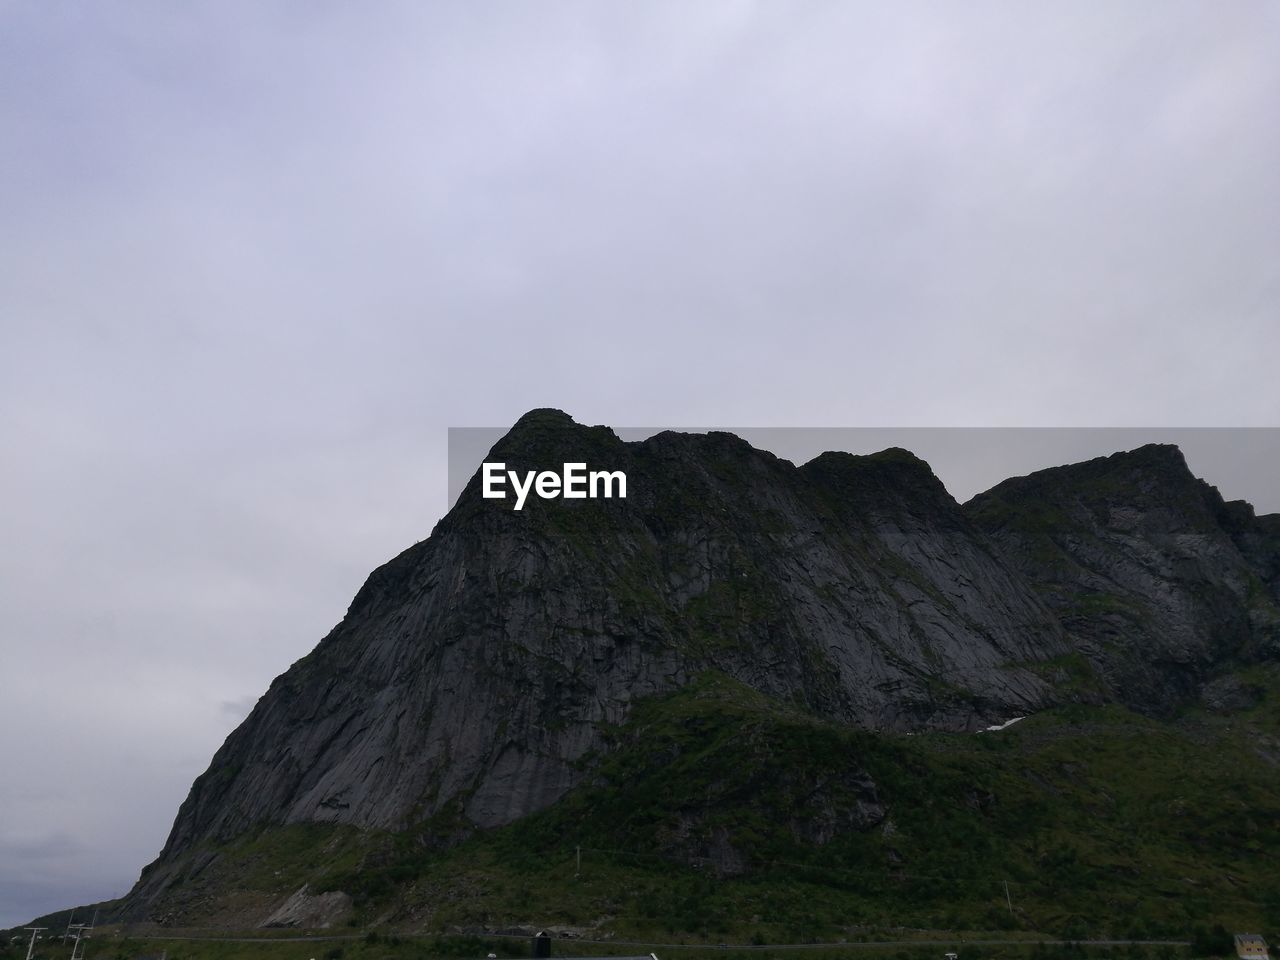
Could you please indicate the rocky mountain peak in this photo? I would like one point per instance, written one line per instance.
(475, 675)
(893, 476)
(1142, 563)
(543, 431)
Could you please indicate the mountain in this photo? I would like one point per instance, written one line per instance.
(1156, 580)
(491, 677)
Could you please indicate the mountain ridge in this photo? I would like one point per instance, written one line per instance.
(476, 674)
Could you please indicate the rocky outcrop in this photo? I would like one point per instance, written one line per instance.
(475, 672)
(1155, 579)
(312, 911)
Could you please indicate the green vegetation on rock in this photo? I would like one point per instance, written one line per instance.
(719, 813)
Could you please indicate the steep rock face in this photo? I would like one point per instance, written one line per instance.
(476, 674)
(1155, 579)
(474, 671)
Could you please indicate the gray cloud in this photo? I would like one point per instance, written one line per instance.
(239, 708)
(49, 847)
(258, 257)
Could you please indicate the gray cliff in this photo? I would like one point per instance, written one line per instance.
(1157, 581)
(474, 671)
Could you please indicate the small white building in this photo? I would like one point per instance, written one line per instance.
(1250, 946)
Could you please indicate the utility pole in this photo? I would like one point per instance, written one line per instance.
(1007, 898)
(70, 920)
(77, 948)
(31, 947)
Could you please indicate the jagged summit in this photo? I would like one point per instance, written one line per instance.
(476, 675)
(544, 426)
(543, 416)
(893, 473)
(1154, 578)
(1143, 469)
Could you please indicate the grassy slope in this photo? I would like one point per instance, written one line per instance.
(1102, 823)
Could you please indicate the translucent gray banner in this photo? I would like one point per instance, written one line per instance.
(1242, 462)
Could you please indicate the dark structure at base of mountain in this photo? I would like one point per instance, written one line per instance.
(481, 670)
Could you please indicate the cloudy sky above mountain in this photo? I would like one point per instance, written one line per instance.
(258, 257)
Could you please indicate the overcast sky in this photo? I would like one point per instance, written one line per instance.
(255, 258)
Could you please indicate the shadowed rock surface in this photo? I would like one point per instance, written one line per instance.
(1155, 579)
